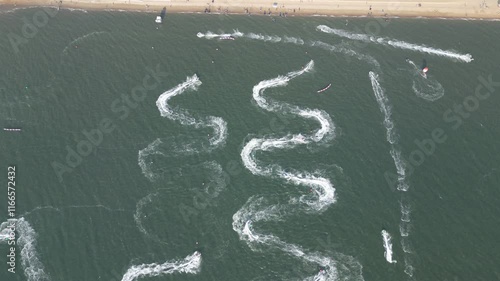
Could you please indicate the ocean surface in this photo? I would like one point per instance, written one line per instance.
(161, 152)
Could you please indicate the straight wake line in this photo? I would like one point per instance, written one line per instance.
(396, 43)
(342, 49)
(191, 264)
(405, 223)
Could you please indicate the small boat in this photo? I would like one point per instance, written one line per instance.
(226, 37)
(325, 88)
(12, 129)
(424, 72)
(159, 19)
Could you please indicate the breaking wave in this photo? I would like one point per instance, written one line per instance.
(395, 152)
(386, 238)
(181, 146)
(191, 264)
(396, 44)
(321, 191)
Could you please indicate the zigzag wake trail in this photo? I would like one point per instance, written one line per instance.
(186, 147)
(428, 89)
(322, 193)
(34, 270)
(395, 152)
(191, 264)
(396, 44)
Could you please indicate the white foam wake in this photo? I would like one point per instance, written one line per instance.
(5, 231)
(426, 88)
(81, 38)
(218, 124)
(182, 146)
(386, 238)
(395, 152)
(191, 264)
(34, 269)
(322, 192)
(254, 36)
(342, 49)
(396, 44)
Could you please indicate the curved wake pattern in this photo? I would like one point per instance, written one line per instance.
(34, 269)
(253, 36)
(191, 264)
(428, 89)
(322, 192)
(179, 146)
(81, 38)
(396, 44)
(404, 225)
(211, 189)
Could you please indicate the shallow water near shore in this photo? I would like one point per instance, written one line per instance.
(169, 177)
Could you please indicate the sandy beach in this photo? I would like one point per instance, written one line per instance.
(487, 9)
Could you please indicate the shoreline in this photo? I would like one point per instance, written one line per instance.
(475, 10)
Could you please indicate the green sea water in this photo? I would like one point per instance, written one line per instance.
(101, 214)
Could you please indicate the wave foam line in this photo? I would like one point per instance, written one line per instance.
(396, 44)
(385, 108)
(322, 192)
(191, 264)
(387, 239)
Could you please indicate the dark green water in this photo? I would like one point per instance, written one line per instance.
(65, 80)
